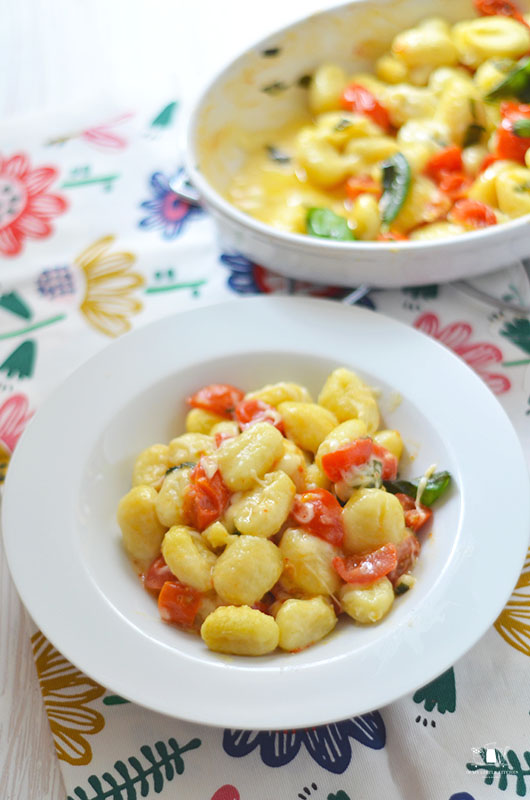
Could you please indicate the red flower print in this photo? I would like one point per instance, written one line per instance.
(226, 792)
(25, 207)
(13, 418)
(478, 355)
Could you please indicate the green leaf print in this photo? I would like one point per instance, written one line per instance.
(503, 767)
(13, 302)
(165, 117)
(136, 779)
(21, 362)
(114, 700)
(339, 796)
(439, 694)
(518, 332)
(427, 292)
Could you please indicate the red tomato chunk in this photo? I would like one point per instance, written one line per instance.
(319, 512)
(473, 213)
(367, 569)
(341, 464)
(356, 98)
(447, 160)
(250, 411)
(501, 8)
(205, 499)
(407, 552)
(178, 603)
(509, 145)
(416, 514)
(157, 574)
(362, 184)
(392, 236)
(454, 184)
(218, 398)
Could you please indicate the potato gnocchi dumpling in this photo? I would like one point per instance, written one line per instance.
(272, 516)
(402, 153)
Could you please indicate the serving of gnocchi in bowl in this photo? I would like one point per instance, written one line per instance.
(273, 514)
(308, 519)
(383, 142)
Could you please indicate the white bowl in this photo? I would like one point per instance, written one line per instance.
(74, 462)
(235, 104)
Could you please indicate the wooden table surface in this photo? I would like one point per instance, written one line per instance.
(68, 54)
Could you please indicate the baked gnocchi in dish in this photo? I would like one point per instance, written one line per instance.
(434, 143)
(273, 514)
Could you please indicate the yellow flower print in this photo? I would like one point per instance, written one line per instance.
(108, 304)
(67, 693)
(514, 621)
(5, 457)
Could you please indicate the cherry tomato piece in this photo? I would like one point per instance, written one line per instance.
(157, 574)
(319, 512)
(407, 552)
(454, 184)
(250, 411)
(219, 438)
(364, 570)
(447, 160)
(356, 98)
(473, 213)
(205, 498)
(389, 461)
(219, 398)
(362, 184)
(416, 515)
(488, 161)
(392, 236)
(509, 144)
(339, 463)
(178, 603)
(501, 8)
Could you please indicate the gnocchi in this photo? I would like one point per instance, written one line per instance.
(273, 516)
(403, 153)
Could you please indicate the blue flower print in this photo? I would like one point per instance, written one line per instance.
(56, 282)
(166, 211)
(328, 745)
(241, 278)
(461, 796)
(247, 277)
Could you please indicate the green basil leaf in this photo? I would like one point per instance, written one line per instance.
(396, 185)
(304, 81)
(521, 127)
(522, 187)
(183, 465)
(275, 88)
(473, 134)
(515, 84)
(343, 124)
(326, 224)
(277, 155)
(436, 486)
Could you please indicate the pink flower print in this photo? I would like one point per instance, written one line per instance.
(104, 136)
(25, 207)
(13, 418)
(479, 355)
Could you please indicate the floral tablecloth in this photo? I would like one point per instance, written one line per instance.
(93, 242)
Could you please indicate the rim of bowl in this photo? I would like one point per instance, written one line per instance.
(298, 240)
